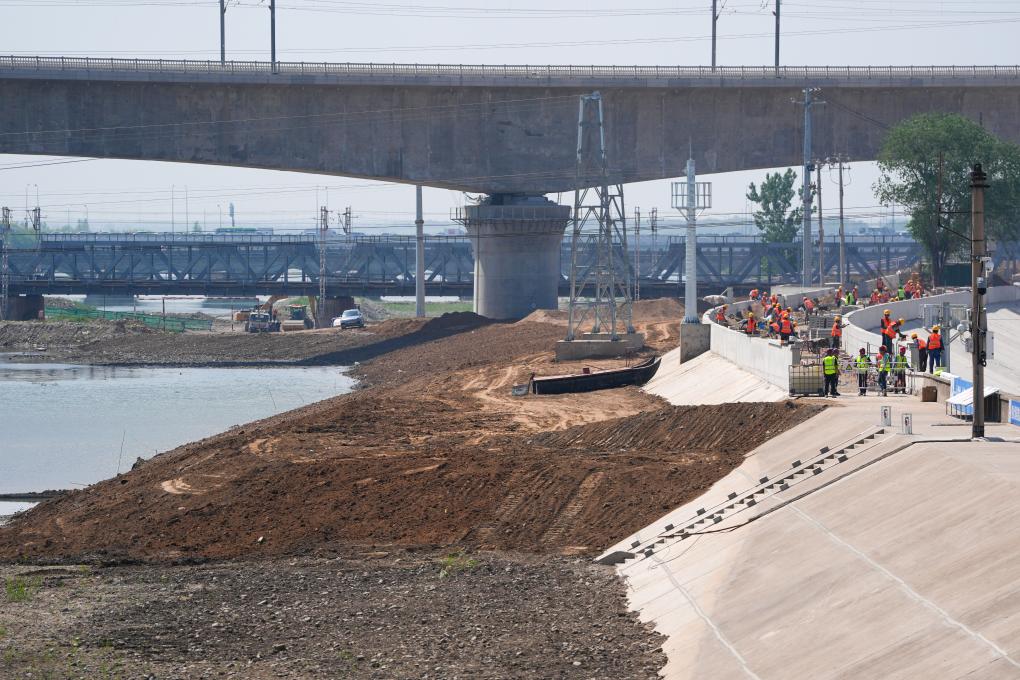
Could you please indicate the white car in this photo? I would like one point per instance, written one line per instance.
(351, 318)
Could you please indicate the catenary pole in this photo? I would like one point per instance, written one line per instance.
(805, 278)
(419, 255)
(223, 31)
(978, 283)
(691, 249)
(715, 17)
(821, 226)
(777, 37)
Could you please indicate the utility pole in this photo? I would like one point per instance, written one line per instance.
(653, 225)
(695, 196)
(842, 235)
(978, 284)
(5, 263)
(715, 17)
(419, 256)
(637, 253)
(272, 34)
(323, 228)
(809, 102)
(173, 222)
(821, 227)
(223, 32)
(777, 37)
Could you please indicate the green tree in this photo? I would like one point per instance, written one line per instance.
(777, 222)
(910, 168)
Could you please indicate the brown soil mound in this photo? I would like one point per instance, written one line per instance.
(377, 469)
(437, 452)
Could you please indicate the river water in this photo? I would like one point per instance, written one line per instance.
(65, 426)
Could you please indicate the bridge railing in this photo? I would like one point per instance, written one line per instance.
(514, 71)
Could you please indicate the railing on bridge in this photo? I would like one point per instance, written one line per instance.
(520, 71)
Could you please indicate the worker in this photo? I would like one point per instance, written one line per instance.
(839, 295)
(886, 324)
(922, 352)
(863, 364)
(900, 366)
(934, 349)
(753, 295)
(720, 315)
(774, 328)
(830, 368)
(786, 328)
(751, 327)
(809, 306)
(836, 334)
(901, 293)
(851, 298)
(883, 364)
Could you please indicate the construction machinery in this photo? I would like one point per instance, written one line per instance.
(261, 321)
(299, 319)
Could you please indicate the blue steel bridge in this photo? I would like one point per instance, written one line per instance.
(248, 264)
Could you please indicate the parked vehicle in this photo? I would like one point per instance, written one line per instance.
(351, 318)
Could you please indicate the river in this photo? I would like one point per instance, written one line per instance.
(65, 426)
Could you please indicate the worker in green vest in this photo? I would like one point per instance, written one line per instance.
(830, 368)
(884, 365)
(900, 364)
(901, 293)
(862, 362)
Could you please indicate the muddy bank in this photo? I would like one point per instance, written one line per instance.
(127, 344)
(387, 614)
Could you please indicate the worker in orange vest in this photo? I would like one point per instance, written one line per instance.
(786, 328)
(836, 334)
(751, 326)
(922, 352)
(720, 315)
(934, 349)
(886, 325)
(753, 295)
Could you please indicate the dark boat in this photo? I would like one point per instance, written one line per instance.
(637, 374)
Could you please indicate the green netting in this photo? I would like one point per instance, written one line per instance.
(170, 323)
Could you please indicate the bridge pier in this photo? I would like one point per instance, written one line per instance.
(330, 308)
(516, 241)
(25, 307)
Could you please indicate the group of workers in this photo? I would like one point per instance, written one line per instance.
(885, 363)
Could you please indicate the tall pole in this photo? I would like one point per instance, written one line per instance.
(223, 32)
(173, 222)
(321, 307)
(5, 265)
(978, 283)
(805, 279)
(691, 248)
(777, 37)
(821, 227)
(715, 17)
(272, 34)
(419, 256)
(842, 235)
(637, 253)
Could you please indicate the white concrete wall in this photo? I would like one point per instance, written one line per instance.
(860, 332)
(766, 359)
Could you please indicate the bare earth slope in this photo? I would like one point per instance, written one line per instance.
(436, 452)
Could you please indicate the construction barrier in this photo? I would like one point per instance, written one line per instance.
(170, 323)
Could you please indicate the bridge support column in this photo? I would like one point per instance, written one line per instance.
(516, 241)
(330, 308)
(25, 307)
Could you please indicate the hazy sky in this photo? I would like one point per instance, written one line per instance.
(133, 193)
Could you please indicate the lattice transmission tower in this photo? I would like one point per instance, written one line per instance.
(600, 287)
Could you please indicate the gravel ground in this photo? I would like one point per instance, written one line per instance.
(377, 615)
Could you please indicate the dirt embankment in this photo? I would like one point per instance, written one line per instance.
(436, 453)
(27, 335)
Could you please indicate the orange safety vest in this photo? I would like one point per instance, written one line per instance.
(786, 328)
(720, 316)
(808, 304)
(751, 326)
(836, 330)
(921, 344)
(934, 341)
(775, 327)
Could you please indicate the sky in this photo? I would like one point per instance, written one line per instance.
(141, 195)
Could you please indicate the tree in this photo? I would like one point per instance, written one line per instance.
(774, 218)
(910, 167)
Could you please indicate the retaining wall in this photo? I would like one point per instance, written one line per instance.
(859, 333)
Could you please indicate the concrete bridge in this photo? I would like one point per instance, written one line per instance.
(505, 131)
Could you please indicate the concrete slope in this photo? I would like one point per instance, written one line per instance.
(892, 558)
(708, 379)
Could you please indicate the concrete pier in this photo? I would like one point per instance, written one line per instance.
(25, 307)
(516, 240)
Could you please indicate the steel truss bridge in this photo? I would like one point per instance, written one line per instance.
(249, 264)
